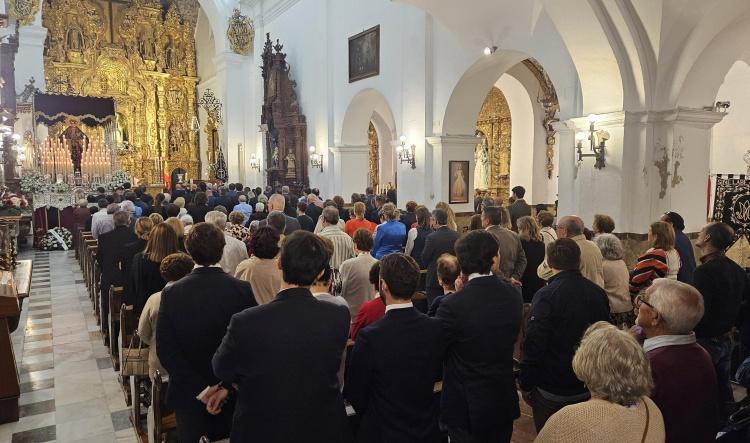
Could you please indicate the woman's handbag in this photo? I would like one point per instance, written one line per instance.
(135, 360)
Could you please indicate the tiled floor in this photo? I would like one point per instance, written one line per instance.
(69, 392)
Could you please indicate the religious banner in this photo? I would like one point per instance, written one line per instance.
(732, 206)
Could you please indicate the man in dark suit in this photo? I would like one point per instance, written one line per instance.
(193, 318)
(277, 203)
(112, 255)
(519, 208)
(395, 364)
(304, 220)
(287, 376)
(481, 321)
(437, 243)
(409, 217)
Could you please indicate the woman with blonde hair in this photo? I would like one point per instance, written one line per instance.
(616, 371)
(390, 235)
(533, 247)
(180, 203)
(179, 229)
(451, 215)
(143, 227)
(156, 218)
(145, 278)
(359, 221)
(661, 260)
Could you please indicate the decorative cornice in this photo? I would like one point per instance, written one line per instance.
(459, 139)
(345, 149)
(276, 10)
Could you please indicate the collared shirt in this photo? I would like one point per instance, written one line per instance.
(398, 306)
(668, 340)
(477, 275)
(101, 223)
(711, 256)
(245, 209)
(235, 252)
(343, 247)
(215, 265)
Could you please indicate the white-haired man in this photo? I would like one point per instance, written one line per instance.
(277, 203)
(685, 385)
(234, 250)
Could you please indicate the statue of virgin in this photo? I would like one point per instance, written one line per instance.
(481, 164)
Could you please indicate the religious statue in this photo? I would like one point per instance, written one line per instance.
(148, 50)
(169, 58)
(75, 40)
(481, 164)
(275, 157)
(291, 160)
(174, 138)
(77, 142)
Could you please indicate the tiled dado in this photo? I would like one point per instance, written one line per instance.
(69, 392)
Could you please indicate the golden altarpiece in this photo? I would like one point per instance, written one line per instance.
(493, 150)
(142, 54)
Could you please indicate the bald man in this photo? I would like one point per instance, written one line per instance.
(277, 202)
(571, 227)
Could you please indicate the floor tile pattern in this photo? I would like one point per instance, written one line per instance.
(69, 391)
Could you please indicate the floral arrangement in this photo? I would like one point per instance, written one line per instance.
(34, 181)
(12, 204)
(57, 239)
(118, 178)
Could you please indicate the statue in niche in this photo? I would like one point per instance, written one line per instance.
(481, 163)
(174, 138)
(148, 50)
(275, 157)
(169, 58)
(75, 40)
(122, 129)
(291, 161)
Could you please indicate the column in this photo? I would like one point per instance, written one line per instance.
(29, 61)
(349, 173)
(445, 149)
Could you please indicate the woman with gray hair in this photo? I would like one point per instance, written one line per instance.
(616, 280)
(685, 386)
(616, 371)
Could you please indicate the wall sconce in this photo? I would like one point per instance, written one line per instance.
(489, 50)
(597, 142)
(406, 155)
(254, 162)
(316, 160)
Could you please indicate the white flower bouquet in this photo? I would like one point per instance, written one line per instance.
(57, 239)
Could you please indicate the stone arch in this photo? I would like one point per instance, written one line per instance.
(363, 106)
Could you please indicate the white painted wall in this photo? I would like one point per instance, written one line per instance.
(731, 137)
(522, 133)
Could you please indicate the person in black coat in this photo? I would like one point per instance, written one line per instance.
(437, 243)
(112, 256)
(193, 317)
(481, 322)
(560, 314)
(304, 220)
(285, 356)
(395, 364)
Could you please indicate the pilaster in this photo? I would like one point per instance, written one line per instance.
(346, 169)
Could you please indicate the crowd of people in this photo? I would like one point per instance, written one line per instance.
(248, 298)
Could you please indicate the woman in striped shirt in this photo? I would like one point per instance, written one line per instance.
(661, 260)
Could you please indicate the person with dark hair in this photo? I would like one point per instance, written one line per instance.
(436, 244)
(603, 224)
(193, 317)
(112, 256)
(373, 210)
(393, 404)
(409, 217)
(304, 220)
(343, 212)
(172, 268)
(343, 248)
(560, 314)
(476, 222)
(199, 207)
(160, 205)
(172, 210)
(356, 288)
(481, 321)
(370, 311)
(512, 255)
(448, 272)
(723, 285)
(261, 269)
(417, 235)
(300, 360)
(519, 208)
(683, 246)
(548, 232)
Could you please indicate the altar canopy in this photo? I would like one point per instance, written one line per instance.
(56, 108)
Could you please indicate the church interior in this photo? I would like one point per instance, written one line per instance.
(573, 109)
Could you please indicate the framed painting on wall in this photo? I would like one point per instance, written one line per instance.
(458, 185)
(364, 54)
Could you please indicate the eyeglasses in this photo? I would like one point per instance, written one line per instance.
(639, 300)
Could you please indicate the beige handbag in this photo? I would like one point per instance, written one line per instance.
(135, 360)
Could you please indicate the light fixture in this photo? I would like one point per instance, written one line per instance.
(254, 162)
(489, 50)
(597, 142)
(316, 160)
(406, 155)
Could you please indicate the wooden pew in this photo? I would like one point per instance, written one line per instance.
(164, 417)
(94, 294)
(111, 323)
(87, 259)
(10, 388)
(22, 276)
(128, 325)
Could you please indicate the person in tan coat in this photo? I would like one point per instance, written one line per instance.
(616, 371)
(571, 227)
(262, 270)
(355, 272)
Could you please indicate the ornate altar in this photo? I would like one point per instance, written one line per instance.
(493, 131)
(142, 54)
(286, 134)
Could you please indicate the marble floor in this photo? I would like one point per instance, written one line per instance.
(69, 391)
